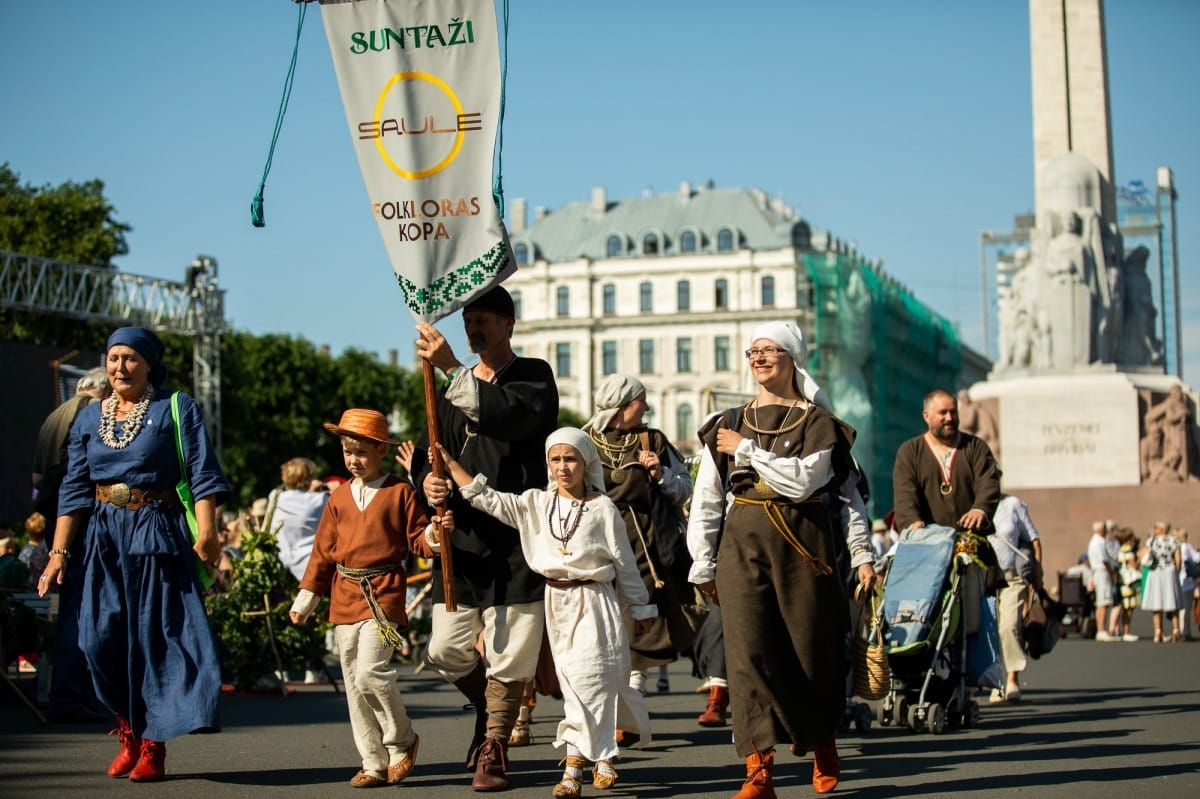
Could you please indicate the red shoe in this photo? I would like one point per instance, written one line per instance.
(718, 706)
(151, 766)
(131, 746)
(827, 766)
(760, 776)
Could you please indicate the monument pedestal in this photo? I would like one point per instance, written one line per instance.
(1071, 448)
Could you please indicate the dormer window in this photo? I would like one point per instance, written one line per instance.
(615, 246)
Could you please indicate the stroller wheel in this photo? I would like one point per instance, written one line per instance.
(915, 722)
(971, 716)
(862, 718)
(936, 720)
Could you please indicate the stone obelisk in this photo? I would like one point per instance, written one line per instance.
(1069, 69)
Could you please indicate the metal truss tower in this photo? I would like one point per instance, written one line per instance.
(195, 307)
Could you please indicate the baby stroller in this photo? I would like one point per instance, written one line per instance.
(931, 601)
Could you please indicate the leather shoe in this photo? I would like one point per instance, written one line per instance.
(491, 762)
(152, 765)
(398, 771)
(364, 780)
(827, 766)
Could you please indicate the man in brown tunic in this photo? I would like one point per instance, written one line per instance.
(945, 476)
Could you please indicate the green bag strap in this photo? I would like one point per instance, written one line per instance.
(178, 435)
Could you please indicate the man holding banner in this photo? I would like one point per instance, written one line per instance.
(421, 86)
(495, 418)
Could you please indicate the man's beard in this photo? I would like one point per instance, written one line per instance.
(477, 344)
(941, 434)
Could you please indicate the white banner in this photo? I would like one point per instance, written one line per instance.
(420, 82)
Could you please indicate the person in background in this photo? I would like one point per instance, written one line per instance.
(1019, 554)
(14, 575)
(35, 554)
(293, 512)
(50, 454)
(1103, 569)
(1160, 590)
(1189, 583)
(142, 624)
(1129, 586)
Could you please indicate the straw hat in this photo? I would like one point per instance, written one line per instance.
(362, 423)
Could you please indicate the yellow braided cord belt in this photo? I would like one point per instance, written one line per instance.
(773, 512)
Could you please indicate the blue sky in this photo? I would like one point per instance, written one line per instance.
(902, 127)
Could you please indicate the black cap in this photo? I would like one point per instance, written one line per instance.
(497, 300)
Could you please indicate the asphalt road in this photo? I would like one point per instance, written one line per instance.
(1097, 720)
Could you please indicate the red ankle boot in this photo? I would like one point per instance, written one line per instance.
(827, 766)
(760, 776)
(152, 766)
(718, 705)
(131, 745)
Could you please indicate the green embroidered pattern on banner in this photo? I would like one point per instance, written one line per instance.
(454, 285)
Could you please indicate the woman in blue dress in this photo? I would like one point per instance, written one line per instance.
(142, 624)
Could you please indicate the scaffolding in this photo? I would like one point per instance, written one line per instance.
(195, 308)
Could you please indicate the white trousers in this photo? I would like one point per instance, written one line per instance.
(512, 638)
(378, 719)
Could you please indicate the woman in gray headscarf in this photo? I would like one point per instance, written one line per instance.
(771, 477)
(641, 468)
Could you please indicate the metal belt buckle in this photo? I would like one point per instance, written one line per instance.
(119, 495)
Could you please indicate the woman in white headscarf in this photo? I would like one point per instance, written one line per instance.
(771, 474)
(572, 534)
(642, 469)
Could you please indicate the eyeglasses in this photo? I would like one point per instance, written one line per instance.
(766, 352)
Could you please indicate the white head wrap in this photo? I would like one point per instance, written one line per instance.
(593, 471)
(789, 336)
(613, 393)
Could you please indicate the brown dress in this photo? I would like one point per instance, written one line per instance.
(618, 453)
(785, 615)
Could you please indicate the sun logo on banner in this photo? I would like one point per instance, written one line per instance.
(417, 158)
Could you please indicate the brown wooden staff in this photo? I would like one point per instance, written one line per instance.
(439, 471)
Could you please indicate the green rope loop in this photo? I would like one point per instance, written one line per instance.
(256, 205)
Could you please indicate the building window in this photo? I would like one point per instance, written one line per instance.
(562, 359)
(516, 295)
(562, 300)
(650, 244)
(687, 241)
(609, 302)
(608, 357)
(646, 295)
(721, 353)
(646, 356)
(683, 295)
(725, 240)
(614, 246)
(685, 422)
(768, 292)
(521, 253)
(683, 355)
(721, 294)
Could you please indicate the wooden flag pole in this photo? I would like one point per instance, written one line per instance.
(439, 471)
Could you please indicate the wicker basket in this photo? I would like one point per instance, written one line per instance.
(872, 672)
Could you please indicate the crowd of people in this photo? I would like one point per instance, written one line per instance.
(568, 546)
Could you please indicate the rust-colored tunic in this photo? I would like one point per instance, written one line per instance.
(383, 533)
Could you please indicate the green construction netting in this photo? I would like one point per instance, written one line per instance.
(878, 351)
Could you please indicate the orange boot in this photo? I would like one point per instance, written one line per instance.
(760, 776)
(152, 766)
(131, 745)
(718, 706)
(827, 766)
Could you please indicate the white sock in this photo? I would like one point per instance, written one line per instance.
(637, 681)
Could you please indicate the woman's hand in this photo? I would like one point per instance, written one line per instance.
(709, 589)
(650, 461)
(441, 524)
(867, 577)
(54, 574)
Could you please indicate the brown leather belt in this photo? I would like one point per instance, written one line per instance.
(566, 583)
(119, 495)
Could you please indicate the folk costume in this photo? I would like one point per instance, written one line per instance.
(936, 492)
(142, 623)
(583, 554)
(761, 525)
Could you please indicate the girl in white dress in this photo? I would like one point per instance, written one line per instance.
(572, 534)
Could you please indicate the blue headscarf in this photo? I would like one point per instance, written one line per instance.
(145, 344)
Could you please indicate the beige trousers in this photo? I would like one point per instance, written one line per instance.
(1008, 617)
(512, 638)
(378, 719)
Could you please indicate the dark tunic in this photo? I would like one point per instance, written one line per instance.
(142, 623)
(632, 497)
(784, 625)
(917, 483)
(516, 414)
